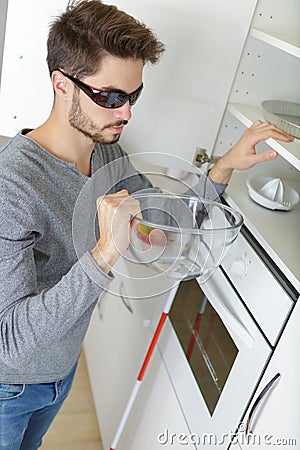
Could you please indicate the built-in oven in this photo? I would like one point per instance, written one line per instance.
(217, 341)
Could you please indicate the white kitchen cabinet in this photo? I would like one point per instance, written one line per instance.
(269, 69)
(26, 93)
(3, 14)
(117, 340)
(276, 418)
(156, 420)
(114, 346)
(268, 53)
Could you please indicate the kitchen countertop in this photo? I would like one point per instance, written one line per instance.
(278, 232)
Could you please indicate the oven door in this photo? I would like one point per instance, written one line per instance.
(214, 354)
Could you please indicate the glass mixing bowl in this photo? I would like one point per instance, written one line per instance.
(180, 236)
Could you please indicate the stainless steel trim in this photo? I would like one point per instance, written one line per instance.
(260, 397)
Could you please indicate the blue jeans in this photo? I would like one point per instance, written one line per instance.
(27, 410)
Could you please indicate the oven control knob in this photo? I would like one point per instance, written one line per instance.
(238, 266)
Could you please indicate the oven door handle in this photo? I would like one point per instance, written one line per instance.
(229, 319)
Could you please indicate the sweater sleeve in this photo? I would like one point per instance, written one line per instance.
(29, 318)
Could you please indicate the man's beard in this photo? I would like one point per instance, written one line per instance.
(87, 127)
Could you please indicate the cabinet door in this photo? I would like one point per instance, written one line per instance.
(186, 93)
(115, 346)
(26, 94)
(113, 357)
(276, 418)
(156, 421)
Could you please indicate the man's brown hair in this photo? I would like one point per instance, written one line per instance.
(89, 30)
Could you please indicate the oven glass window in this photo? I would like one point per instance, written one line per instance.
(206, 342)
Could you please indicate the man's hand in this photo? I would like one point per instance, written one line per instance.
(243, 154)
(114, 215)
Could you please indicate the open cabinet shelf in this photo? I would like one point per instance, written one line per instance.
(269, 68)
(248, 114)
(277, 23)
(287, 44)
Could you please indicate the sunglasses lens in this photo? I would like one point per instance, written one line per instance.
(112, 99)
(109, 99)
(134, 97)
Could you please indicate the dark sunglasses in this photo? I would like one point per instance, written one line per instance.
(107, 98)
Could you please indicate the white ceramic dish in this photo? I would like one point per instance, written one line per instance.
(272, 193)
(285, 115)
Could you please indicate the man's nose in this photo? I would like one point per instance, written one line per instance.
(124, 112)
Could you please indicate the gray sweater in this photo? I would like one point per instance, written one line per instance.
(49, 282)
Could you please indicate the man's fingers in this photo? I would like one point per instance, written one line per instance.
(266, 130)
(264, 156)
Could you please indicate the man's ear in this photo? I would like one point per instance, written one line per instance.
(61, 86)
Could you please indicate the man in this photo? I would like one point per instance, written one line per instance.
(96, 56)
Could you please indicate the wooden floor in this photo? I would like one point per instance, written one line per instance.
(75, 427)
